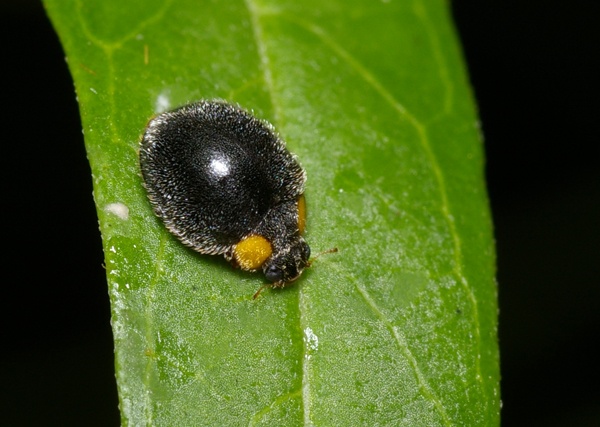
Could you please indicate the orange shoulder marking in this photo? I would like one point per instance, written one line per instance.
(301, 214)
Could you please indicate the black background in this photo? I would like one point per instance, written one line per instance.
(534, 66)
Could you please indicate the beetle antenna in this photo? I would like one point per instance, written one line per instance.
(257, 293)
(282, 284)
(328, 251)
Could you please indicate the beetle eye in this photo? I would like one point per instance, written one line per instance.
(305, 252)
(274, 274)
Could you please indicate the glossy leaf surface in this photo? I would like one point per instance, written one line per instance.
(398, 327)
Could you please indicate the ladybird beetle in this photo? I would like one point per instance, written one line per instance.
(223, 183)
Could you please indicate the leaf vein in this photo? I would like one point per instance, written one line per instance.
(265, 63)
(403, 346)
(442, 67)
(277, 401)
(128, 36)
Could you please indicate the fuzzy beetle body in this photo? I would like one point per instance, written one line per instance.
(223, 182)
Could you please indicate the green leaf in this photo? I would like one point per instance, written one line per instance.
(399, 327)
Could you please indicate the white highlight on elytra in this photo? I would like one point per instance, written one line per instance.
(118, 209)
(219, 167)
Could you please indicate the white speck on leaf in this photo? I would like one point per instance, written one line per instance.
(118, 209)
(162, 104)
(311, 340)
